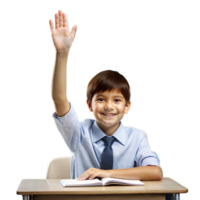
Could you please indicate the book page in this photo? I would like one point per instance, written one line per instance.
(108, 181)
(74, 182)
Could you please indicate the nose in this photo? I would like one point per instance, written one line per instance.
(108, 105)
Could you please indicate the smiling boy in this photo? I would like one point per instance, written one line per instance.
(108, 109)
(102, 147)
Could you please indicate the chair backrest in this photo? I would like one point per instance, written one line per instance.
(59, 168)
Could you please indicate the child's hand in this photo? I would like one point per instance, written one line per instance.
(94, 172)
(62, 38)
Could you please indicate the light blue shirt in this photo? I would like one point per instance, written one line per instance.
(84, 141)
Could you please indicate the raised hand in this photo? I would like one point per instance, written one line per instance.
(62, 37)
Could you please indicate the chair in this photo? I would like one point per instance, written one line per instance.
(59, 168)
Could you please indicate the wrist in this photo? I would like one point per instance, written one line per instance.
(63, 52)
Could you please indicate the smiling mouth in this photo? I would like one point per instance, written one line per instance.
(108, 114)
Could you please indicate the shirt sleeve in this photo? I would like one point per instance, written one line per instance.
(70, 128)
(144, 154)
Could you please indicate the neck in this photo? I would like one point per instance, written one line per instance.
(109, 131)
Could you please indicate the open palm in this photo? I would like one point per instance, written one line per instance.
(62, 37)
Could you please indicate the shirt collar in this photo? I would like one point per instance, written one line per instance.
(119, 134)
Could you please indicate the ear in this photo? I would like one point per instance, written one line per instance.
(127, 107)
(89, 105)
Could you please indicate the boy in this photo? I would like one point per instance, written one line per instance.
(102, 147)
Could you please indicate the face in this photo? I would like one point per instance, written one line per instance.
(108, 109)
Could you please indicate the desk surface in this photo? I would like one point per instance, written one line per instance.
(53, 186)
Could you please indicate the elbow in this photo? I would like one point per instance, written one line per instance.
(159, 174)
(156, 173)
(160, 178)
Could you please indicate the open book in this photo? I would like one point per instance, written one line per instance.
(97, 182)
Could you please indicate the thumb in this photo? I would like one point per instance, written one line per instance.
(73, 32)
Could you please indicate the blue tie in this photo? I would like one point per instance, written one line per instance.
(107, 155)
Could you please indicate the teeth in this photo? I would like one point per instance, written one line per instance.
(109, 114)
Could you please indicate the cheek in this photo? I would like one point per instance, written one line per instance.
(93, 105)
(98, 107)
(121, 108)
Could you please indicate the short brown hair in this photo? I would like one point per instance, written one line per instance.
(106, 81)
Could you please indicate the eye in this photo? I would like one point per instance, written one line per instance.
(103, 99)
(100, 99)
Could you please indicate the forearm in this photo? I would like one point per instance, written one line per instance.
(144, 173)
(59, 77)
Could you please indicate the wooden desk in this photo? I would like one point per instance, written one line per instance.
(51, 189)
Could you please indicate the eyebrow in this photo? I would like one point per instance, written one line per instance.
(116, 96)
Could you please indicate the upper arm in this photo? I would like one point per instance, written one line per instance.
(62, 107)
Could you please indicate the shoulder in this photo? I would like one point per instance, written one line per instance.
(134, 132)
(87, 123)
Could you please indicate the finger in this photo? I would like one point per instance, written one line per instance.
(75, 28)
(72, 29)
(65, 21)
(92, 176)
(60, 18)
(57, 20)
(73, 32)
(51, 25)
